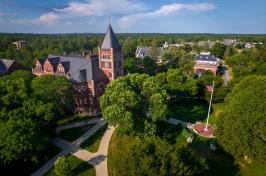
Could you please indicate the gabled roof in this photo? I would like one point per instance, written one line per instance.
(110, 40)
(5, 64)
(54, 61)
(203, 57)
(80, 69)
(142, 51)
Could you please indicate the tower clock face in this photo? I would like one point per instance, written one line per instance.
(106, 64)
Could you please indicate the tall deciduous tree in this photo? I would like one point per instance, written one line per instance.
(218, 50)
(128, 102)
(242, 131)
(56, 89)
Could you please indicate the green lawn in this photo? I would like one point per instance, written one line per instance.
(93, 142)
(217, 109)
(253, 169)
(78, 167)
(220, 163)
(74, 133)
(118, 148)
(189, 110)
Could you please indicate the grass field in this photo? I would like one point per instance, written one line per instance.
(253, 169)
(189, 110)
(217, 109)
(220, 163)
(93, 142)
(78, 167)
(118, 148)
(74, 133)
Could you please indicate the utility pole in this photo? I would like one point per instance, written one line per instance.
(206, 127)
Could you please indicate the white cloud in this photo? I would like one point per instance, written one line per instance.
(49, 18)
(92, 8)
(128, 20)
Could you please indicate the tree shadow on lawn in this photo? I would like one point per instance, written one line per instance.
(97, 159)
(220, 163)
(168, 131)
(189, 110)
(93, 142)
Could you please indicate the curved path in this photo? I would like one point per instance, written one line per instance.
(98, 159)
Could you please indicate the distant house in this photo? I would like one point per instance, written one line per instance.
(207, 43)
(249, 45)
(206, 61)
(229, 42)
(19, 44)
(142, 51)
(8, 66)
(167, 45)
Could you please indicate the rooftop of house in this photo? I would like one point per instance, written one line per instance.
(5, 65)
(142, 50)
(206, 57)
(78, 69)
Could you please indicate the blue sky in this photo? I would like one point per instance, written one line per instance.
(165, 16)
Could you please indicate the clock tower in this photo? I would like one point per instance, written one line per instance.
(110, 55)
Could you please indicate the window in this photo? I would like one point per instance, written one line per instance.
(84, 89)
(85, 101)
(80, 101)
(110, 75)
(60, 69)
(78, 89)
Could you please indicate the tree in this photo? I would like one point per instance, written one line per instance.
(20, 137)
(55, 89)
(153, 156)
(186, 64)
(187, 48)
(26, 115)
(180, 85)
(242, 128)
(218, 50)
(133, 65)
(149, 65)
(167, 56)
(220, 90)
(248, 62)
(129, 102)
(62, 167)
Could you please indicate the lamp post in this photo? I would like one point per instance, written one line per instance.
(206, 127)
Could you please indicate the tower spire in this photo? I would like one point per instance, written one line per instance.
(109, 19)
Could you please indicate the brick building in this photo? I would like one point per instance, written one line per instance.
(206, 61)
(90, 74)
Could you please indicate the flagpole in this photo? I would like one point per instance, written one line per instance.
(206, 127)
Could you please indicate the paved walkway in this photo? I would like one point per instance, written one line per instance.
(227, 76)
(176, 122)
(98, 159)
